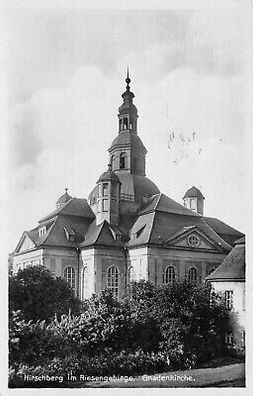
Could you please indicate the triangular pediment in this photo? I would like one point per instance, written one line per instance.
(193, 238)
(25, 243)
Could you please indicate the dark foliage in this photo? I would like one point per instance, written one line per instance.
(154, 328)
(39, 296)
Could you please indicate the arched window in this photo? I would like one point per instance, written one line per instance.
(122, 161)
(125, 123)
(105, 189)
(192, 274)
(84, 283)
(112, 159)
(170, 275)
(70, 277)
(113, 280)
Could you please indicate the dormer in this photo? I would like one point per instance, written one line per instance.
(42, 231)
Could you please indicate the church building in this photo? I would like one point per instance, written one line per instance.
(127, 229)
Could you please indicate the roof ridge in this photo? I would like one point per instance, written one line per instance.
(57, 211)
(152, 226)
(20, 240)
(29, 236)
(223, 222)
(217, 235)
(48, 232)
(158, 200)
(101, 225)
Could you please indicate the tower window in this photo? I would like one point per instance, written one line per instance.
(70, 277)
(112, 159)
(125, 123)
(193, 204)
(122, 161)
(113, 280)
(105, 206)
(105, 189)
(192, 274)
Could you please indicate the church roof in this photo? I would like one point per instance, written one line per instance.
(162, 203)
(193, 192)
(126, 139)
(108, 176)
(57, 231)
(74, 207)
(221, 227)
(103, 234)
(240, 241)
(57, 236)
(161, 218)
(136, 186)
(233, 266)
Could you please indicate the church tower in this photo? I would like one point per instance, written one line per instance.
(108, 199)
(127, 158)
(127, 152)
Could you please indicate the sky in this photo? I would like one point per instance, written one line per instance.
(66, 70)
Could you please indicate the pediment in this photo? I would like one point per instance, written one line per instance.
(193, 238)
(25, 243)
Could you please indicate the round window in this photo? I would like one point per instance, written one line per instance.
(193, 240)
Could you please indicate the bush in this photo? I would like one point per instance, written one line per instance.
(180, 325)
(29, 341)
(39, 296)
(105, 364)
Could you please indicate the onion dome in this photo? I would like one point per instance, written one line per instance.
(194, 192)
(64, 198)
(128, 96)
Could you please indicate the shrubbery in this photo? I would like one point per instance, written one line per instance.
(38, 295)
(152, 329)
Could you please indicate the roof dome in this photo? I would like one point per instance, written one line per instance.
(127, 106)
(64, 198)
(127, 138)
(133, 187)
(136, 186)
(194, 192)
(108, 175)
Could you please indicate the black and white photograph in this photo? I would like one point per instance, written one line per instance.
(124, 262)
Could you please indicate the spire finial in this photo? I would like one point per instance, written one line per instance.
(128, 80)
(66, 189)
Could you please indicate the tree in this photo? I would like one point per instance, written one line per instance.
(139, 299)
(192, 321)
(38, 295)
(185, 320)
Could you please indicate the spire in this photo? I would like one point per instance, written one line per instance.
(128, 80)
(127, 111)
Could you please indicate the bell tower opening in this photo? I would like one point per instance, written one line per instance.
(122, 161)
